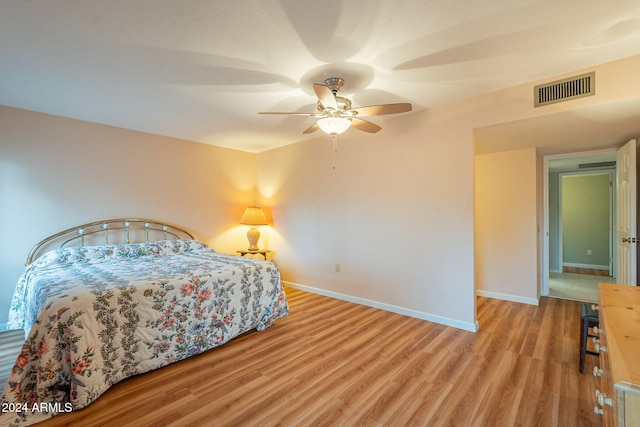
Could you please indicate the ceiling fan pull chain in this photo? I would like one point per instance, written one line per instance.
(334, 137)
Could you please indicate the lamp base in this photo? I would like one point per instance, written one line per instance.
(253, 235)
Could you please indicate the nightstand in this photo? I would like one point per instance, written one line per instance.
(261, 252)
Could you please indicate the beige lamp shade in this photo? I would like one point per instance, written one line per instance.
(253, 216)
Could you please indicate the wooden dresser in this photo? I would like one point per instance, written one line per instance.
(618, 395)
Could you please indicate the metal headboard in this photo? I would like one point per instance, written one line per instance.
(126, 228)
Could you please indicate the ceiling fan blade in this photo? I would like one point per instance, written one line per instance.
(364, 125)
(378, 110)
(314, 127)
(288, 114)
(326, 96)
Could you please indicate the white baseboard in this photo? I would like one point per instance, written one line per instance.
(589, 266)
(473, 327)
(507, 297)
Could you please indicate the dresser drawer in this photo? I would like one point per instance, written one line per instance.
(618, 344)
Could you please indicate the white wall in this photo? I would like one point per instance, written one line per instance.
(506, 225)
(56, 173)
(387, 214)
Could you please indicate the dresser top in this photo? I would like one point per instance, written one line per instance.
(619, 308)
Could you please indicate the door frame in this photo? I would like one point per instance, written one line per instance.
(544, 236)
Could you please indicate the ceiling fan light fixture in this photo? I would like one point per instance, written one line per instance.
(334, 125)
(335, 114)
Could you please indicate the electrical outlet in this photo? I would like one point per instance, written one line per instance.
(589, 252)
(338, 267)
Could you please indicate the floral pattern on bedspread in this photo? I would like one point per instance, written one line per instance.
(97, 315)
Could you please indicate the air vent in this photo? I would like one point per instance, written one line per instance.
(597, 165)
(564, 90)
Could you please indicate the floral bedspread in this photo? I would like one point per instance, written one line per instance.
(96, 315)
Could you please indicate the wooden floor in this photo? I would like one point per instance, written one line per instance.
(334, 363)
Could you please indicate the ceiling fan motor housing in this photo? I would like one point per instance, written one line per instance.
(344, 105)
(334, 83)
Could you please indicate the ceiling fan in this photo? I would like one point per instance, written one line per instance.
(335, 114)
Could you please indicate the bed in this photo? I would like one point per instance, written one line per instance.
(95, 314)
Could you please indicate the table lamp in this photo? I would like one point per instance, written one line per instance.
(253, 216)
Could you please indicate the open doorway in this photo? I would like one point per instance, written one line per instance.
(579, 208)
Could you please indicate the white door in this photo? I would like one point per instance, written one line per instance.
(626, 214)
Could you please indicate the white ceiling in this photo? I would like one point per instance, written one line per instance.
(201, 70)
